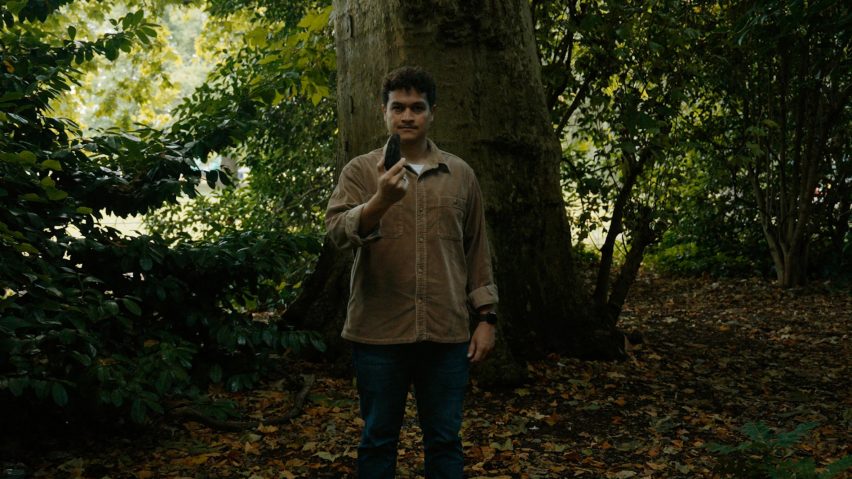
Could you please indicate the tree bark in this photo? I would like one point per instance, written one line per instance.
(491, 112)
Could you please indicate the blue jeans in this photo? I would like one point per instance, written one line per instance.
(439, 373)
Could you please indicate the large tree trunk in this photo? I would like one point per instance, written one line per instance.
(491, 112)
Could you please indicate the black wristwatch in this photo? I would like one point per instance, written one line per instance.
(490, 317)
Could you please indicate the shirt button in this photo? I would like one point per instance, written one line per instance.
(420, 239)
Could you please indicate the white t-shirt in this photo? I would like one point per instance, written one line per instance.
(417, 168)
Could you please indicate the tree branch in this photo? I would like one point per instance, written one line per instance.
(582, 92)
(616, 227)
(645, 235)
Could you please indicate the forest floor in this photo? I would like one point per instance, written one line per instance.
(718, 354)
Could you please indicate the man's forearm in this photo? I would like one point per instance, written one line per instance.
(371, 214)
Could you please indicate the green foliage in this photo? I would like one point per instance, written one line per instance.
(145, 83)
(586, 254)
(768, 454)
(616, 75)
(286, 12)
(717, 231)
(28, 11)
(741, 112)
(266, 109)
(93, 319)
(773, 110)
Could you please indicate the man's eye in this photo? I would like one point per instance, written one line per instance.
(418, 108)
(397, 108)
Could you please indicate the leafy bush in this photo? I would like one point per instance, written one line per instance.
(93, 319)
(716, 231)
(691, 260)
(768, 454)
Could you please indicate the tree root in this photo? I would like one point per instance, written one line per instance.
(190, 414)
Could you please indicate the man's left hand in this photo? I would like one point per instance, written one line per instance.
(482, 342)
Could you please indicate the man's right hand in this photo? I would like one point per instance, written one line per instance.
(393, 183)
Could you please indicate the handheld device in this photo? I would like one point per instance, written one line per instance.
(392, 151)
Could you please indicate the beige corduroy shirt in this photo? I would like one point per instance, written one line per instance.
(416, 275)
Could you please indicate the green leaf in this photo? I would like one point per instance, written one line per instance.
(72, 32)
(318, 344)
(26, 248)
(17, 386)
(131, 19)
(47, 182)
(132, 306)
(754, 148)
(137, 411)
(82, 358)
(27, 157)
(257, 36)
(149, 32)
(142, 37)
(216, 373)
(15, 7)
(111, 52)
(41, 388)
(49, 164)
(84, 210)
(146, 263)
(17, 118)
(225, 178)
(12, 323)
(628, 147)
(55, 195)
(60, 396)
(212, 178)
(315, 21)
(837, 467)
(758, 432)
(111, 307)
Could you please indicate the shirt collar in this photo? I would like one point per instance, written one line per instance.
(433, 158)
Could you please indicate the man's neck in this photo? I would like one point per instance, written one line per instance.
(415, 153)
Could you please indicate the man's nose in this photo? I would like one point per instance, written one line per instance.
(407, 114)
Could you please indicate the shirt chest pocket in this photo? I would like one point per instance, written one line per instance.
(449, 218)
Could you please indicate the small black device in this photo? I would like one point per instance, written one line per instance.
(392, 151)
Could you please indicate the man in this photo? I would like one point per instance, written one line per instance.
(422, 264)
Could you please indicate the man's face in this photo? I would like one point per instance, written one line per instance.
(407, 113)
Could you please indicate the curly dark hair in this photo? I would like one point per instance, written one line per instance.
(406, 78)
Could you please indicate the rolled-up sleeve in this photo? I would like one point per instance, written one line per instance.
(343, 215)
(481, 289)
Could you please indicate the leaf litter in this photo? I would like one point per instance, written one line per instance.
(717, 354)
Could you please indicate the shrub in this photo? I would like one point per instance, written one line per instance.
(93, 319)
